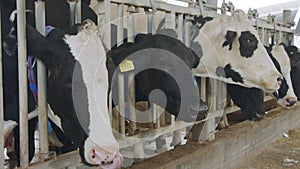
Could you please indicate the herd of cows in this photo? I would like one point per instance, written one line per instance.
(81, 73)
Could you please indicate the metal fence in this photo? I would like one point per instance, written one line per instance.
(123, 14)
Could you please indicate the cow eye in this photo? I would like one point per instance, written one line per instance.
(251, 42)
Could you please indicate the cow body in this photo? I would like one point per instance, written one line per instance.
(154, 70)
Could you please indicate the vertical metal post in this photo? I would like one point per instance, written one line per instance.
(150, 23)
(41, 75)
(180, 27)
(104, 21)
(72, 5)
(131, 89)
(208, 131)
(121, 98)
(23, 95)
(187, 32)
(154, 115)
(1, 102)
(130, 29)
(170, 23)
(120, 25)
(78, 12)
(287, 19)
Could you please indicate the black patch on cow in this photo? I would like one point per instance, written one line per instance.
(228, 72)
(199, 21)
(230, 36)
(250, 100)
(248, 44)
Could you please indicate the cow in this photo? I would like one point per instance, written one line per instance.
(286, 96)
(233, 53)
(71, 88)
(250, 100)
(156, 68)
(294, 56)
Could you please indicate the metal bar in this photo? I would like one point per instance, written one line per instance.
(41, 75)
(23, 95)
(72, 5)
(1, 102)
(170, 20)
(180, 27)
(150, 23)
(208, 131)
(120, 25)
(130, 28)
(187, 33)
(103, 13)
(121, 98)
(64, 160)
(131, 89)
(78, 12)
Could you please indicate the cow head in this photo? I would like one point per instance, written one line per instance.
(78, 89)
(285, 95)
(100, 146)
(232, 52)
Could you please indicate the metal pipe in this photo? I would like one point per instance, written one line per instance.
(150, 22)
(120, 26)
(180, 27)
(23, 95)
(187, 32)
(130, 29)
(1, 103)
(41, 76)
(121, 98)
(78, 12)
(104, 21)
(72, 5)
(131, 89)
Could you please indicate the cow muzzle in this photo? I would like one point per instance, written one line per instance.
(106, 160)
(272, 84)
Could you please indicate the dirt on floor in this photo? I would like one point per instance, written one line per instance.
(282, 154)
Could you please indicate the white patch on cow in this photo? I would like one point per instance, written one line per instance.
(256, 71)
(54, 118)
(9, 125)
(282, 58)
(89, 52)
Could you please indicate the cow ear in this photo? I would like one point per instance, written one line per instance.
(230, 36)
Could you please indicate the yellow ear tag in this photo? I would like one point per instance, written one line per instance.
(126, 65)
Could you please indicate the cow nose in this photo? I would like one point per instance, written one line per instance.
(279, 81)
(105, 159)
(290, 102)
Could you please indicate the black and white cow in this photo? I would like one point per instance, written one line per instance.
(250, 100)
(77, 89)
(10, 70)
(232, 52)
(156, 68)
(294, 56)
